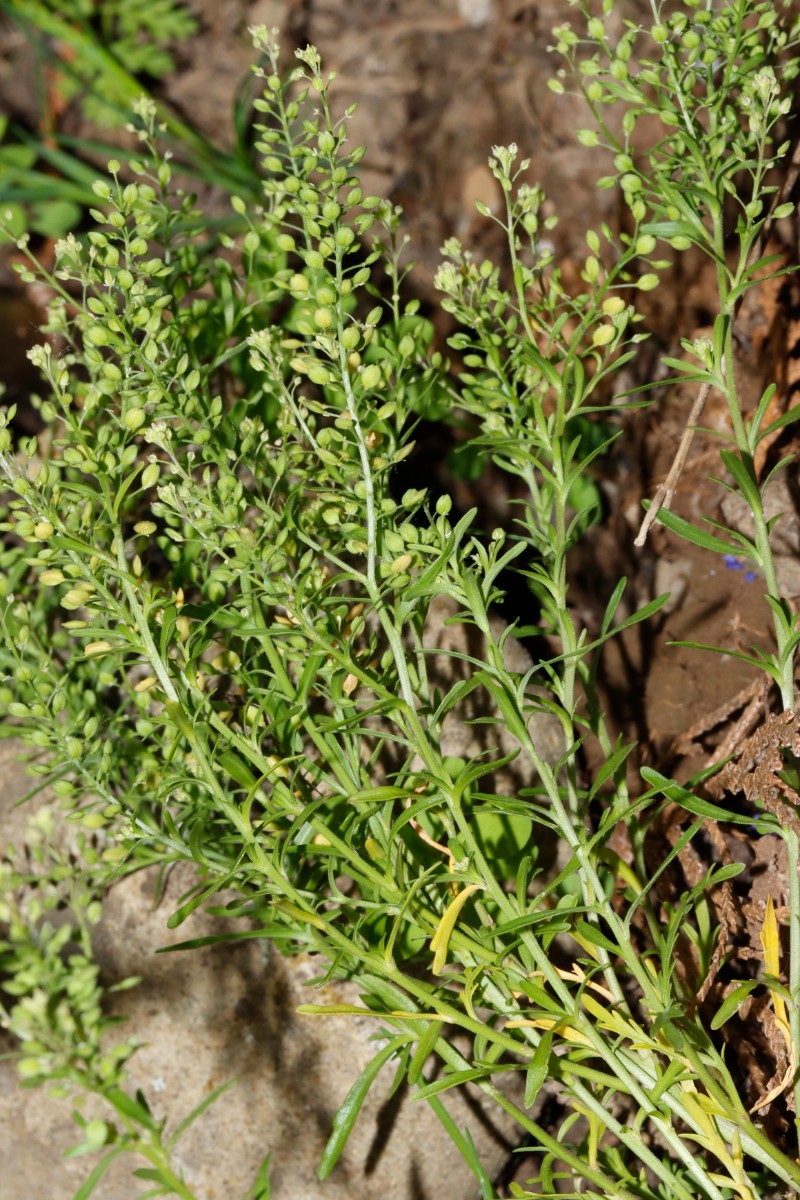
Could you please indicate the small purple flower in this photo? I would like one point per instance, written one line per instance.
(750, 576)
(732, 563)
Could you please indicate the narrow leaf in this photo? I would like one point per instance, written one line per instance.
(157, 1174)
(90, 1183)
(199, 1110)
(770, 940)
(450, 1081)
(179, 916)
(537, 1071)
(691, 533)
(742, 471)
(424, 1050)
(590, 933)
(761, 664)
(378, 795)
(261, 1187)
(441, 938)
(731, 1003)
(754, 431)
(693, 804)
(346, 1116)
(788, 418)
(473, 1161)
(129, 1108)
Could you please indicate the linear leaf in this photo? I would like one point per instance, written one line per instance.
(129, 1108)
(441, 938)
(351, 1106)
(731, 1003)
(693, 804)
(90, 1183)
(743, 473)
(424, 1050)
(199, 1109)
(537, 1071)
(691, 533)
(450, 1081)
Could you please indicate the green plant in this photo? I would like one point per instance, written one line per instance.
(97, 39)
(242, 678)
(105, 54)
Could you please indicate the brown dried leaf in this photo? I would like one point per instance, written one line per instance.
(756, 771)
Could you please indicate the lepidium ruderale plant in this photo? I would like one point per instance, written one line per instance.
(216, 636)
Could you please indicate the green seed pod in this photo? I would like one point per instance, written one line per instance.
(150, 477)
(97, 335)
(603, 334)
(371, 376)
(631, 183)
(319, 374)
(134, 419)
(350, 337)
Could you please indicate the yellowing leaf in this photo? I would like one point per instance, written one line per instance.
(441, 938)
(568, 1033)
(590, 949)
(770, 940)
